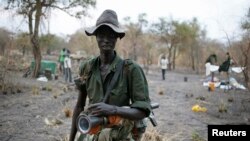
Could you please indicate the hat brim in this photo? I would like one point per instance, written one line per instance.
(92, 30)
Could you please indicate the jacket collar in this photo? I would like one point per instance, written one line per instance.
(113, 65)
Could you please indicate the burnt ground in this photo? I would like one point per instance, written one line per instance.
(28, 103)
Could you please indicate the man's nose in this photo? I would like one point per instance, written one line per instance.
(105, 38)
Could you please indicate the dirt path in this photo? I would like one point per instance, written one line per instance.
(176, 119)
(23, 114)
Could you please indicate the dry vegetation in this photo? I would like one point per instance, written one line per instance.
(30, 109)
(43, 110)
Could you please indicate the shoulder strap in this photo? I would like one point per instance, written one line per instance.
(88, 69)
(127, 63)
(113, 81)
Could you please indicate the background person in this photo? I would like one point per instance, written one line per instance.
(61, 61)
(225, 66)
(211, 60)
(67, 68)
(164, 65)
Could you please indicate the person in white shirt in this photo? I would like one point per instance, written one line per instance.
(67, 65)
(164, 66)
(210, 62)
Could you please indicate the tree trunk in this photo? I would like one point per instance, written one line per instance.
(246, 76)
(37, 56)
(174, 56)
(169, 57)
(23, 49)
(34, 36)
(134, 52)
(246, 64)
(192, 58)
(193, 66)
(2, 50)
(48, 51)
(197, 58)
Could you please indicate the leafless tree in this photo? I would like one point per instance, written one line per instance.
(33, 10)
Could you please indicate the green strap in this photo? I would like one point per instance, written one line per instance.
(113, 81)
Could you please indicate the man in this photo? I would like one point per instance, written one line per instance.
(164, 66)
(210, 62)
(226, 64)
(61, 61)
(130, 89)
(224, 67)
(67, 67)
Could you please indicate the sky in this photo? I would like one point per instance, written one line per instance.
(220, 18)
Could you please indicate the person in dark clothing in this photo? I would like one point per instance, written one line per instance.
(212, 59)
(226, 64)
(224, 67)
(129, 98)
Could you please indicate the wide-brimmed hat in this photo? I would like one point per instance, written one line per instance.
(108, 18)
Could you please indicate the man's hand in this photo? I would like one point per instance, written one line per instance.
(102, 109)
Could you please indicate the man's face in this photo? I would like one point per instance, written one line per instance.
(106, 38)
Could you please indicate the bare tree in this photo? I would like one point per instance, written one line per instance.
(134, 33)
(4, 39)
(165, 30)
(245, 47)
(22, 42)
(33, 10)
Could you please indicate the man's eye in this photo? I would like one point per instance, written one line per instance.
(110, 36)
(100, 35)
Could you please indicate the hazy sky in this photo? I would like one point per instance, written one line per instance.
(217, 16)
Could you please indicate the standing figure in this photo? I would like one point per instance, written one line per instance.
(67, 68)
(129, 97)
(226, 64)
(164, 66)
(224, 67)
(211, 60)
(61, 61)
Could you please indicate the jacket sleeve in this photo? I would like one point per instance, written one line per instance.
(138, 89)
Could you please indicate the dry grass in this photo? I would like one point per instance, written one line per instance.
(222, 107)
(35, 90)
(196, 137)
(55, 93)
(65, 88)
(67, 112)
(160, 93)
(64, 138)
(160, 90)
(49, 87)
(230, 99)
(51, 121)
(152, 134)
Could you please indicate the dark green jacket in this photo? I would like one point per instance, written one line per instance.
(131, 88)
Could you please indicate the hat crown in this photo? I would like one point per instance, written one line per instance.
(109, 17)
